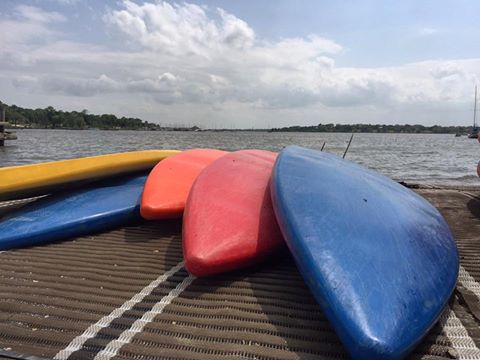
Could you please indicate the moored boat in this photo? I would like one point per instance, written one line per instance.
(473, 134)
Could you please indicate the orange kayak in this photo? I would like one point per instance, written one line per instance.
(167, 187)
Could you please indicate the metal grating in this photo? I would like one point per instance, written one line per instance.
(123, 294)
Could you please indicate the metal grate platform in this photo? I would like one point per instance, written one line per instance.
(124, 294)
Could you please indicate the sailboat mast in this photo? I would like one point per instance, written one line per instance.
(475, 108)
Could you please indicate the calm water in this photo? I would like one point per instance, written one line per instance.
(434, 159)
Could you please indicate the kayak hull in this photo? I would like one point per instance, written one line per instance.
(168, 184)
(84, 211)
(380, 260)
(229, 221)
(43, 178)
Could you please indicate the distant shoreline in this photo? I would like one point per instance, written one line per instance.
(462, 133)
(50, 118)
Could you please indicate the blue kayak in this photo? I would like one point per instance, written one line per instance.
(380, 260)
(80, 212)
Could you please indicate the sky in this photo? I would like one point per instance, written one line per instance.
(245, 64)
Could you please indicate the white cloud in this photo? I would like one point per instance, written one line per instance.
(427, 31)
(235, 32)
(180, 29)
(446, 70)
(27, 29)
(36, 14)
(79, 87)
(18, 35)
(24, 81)
(185, 56)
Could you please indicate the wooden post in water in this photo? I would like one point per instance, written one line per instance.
(348, 146)
(2, 112)
(2, 124)
(4, 135)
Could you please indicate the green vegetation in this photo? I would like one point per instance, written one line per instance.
(373, 128)
(50, 118)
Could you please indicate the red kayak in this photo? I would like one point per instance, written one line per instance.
(229, 221)
(167, 187)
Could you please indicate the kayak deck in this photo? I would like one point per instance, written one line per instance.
(51, 295)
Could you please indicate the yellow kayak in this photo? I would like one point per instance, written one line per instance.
(30, 180)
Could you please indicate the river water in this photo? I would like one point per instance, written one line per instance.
(420, 158)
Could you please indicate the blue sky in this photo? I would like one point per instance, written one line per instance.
(245, 63)
(376, 33)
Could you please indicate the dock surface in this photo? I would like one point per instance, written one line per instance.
(124, 294)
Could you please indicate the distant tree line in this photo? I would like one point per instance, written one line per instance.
(374, 128)
(50, 118)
